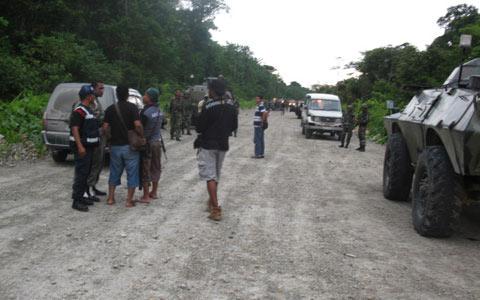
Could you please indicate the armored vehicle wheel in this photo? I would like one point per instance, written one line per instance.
(397, 172)
(308, 133)
(436, 194)
(59, 155)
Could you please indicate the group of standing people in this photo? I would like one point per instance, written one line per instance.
(182, 109)
(350, 122)
(90, 132)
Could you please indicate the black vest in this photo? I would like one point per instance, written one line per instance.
(89, 133)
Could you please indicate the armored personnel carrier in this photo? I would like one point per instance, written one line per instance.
(433, 152)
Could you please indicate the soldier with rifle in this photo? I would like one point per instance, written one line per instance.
(151, 167)
(362, 121)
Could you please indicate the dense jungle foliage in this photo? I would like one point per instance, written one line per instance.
(168, 44)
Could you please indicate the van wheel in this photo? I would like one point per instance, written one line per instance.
(59, 155)
(437, 194)
(397, 172)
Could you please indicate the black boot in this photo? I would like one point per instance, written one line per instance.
(98, 192)
(346, 146)
(341, 145)
(361, 149)
(78, 205)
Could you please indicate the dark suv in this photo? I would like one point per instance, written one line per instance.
(57, 114)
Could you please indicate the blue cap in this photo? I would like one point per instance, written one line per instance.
(86, 90)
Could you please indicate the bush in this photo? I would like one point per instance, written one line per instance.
(21, 119)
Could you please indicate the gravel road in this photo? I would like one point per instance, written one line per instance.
(307, 222)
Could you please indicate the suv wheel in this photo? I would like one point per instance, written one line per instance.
(397, 172)
(437, 194)
(59, 155)
(308, 133)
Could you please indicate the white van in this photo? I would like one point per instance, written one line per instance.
(321, 113)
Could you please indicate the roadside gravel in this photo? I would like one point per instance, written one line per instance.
(307, 222)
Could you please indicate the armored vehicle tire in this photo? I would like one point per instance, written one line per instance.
(397, 172)
(308, 133)
(436, 194)
(59, 155)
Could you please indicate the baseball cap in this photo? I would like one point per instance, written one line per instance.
(86, 90)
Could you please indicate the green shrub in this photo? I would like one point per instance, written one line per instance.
(246, 104)
(21, 119)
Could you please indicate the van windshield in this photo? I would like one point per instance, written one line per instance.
(321, 104)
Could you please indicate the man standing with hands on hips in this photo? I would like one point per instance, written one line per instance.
(84, 138)
(260, 123)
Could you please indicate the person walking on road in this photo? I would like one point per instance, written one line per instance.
(348, 124)
(362, 127)
(152, 119)
(84, 138)
(99, 152)
(176, 109)
(215, 124)
(120, 118)
(260, 123)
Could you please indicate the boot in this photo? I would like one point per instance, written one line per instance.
(346, 146)
(79, 206)
(361, 149)
(341, 145)
(98, 192)
(216, 214)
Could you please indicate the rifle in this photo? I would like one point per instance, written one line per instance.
(164, 150)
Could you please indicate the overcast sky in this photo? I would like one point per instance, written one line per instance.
(305, 39)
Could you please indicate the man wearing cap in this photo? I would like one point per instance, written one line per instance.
(216, 122)
(152, 119)
(84, 137)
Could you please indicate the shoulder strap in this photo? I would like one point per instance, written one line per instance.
(119, 114)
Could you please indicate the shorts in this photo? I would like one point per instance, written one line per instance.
(122, 157)
(210, 164)
(151, 162)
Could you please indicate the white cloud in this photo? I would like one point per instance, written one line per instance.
(304, 39)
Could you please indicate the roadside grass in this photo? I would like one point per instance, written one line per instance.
(21, 119)
(247, 104)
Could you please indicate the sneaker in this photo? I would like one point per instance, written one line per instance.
(79, 206)
(216, 214)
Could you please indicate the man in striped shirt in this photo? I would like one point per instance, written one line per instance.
(259, 125)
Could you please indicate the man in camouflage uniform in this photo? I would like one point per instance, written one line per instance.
(176, 110)
(187, 113)
(348, 124)
(362, 127)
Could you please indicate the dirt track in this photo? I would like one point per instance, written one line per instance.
(310, 222)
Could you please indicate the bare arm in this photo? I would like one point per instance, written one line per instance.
(138, 127)
(78, 141)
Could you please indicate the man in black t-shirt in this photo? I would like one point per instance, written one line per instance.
(120, 118)
(216, 122)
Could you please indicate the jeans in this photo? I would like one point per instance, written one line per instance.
(259, 141)
(82, 169)
(122, 157)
